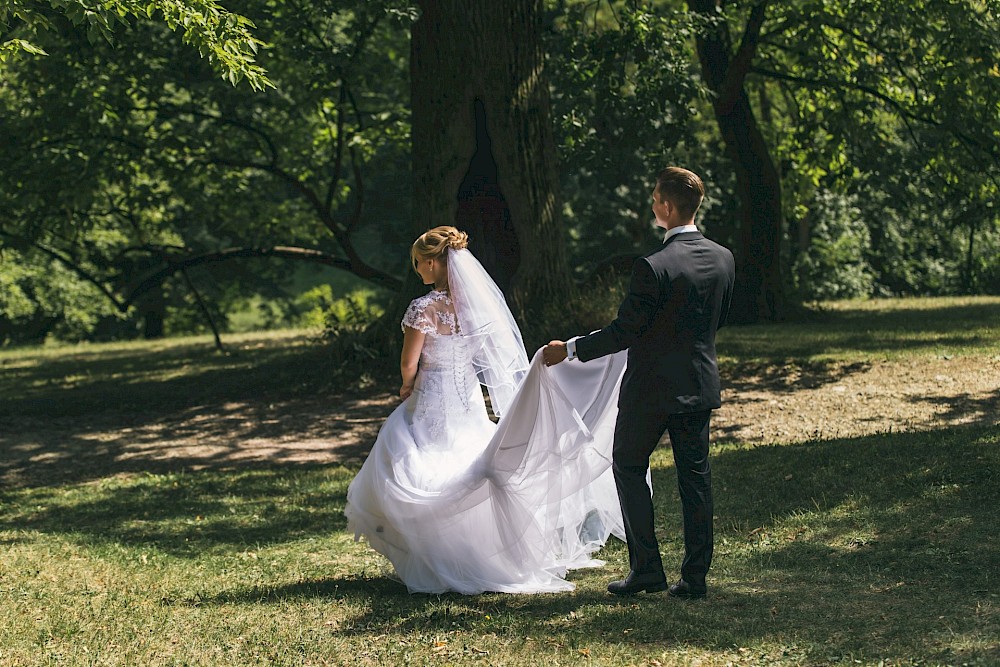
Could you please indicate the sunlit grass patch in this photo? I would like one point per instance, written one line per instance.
(819, 560)
(877, 328)
(841, 550)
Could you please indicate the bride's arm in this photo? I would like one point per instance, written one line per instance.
(413, 342)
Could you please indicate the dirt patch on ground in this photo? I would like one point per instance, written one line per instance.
(763, 403)
(769, 403)
(334, 429)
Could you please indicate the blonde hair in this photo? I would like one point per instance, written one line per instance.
(434, 244)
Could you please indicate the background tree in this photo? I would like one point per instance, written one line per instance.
(481, 121)
(842, 102)
(191, 178)
(168, 197)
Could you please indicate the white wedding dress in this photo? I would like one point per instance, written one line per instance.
(459, 504)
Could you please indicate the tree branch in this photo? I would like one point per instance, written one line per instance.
(899, 107)
(249, 128)
(72, 266)
(742, 61)
(301, 254)
(203, 307)
(359, 199)
(339, 151)
(307, 193)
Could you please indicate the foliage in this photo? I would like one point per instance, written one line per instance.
(182, 178)
(893, 103)
(833, 266)
(623, 99)
(134, 173)
(320, 308)
(852, 102)
(224, 38)
(40, 298)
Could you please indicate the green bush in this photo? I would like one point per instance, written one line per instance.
(833, 265)
(319, 308)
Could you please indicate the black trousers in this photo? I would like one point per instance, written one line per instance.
(636, 436)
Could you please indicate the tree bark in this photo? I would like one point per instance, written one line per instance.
(465, 53)
(153, 311)
(759, 288)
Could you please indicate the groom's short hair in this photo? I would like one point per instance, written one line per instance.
(683, 188)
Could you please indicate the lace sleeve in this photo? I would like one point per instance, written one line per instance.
(416, 317)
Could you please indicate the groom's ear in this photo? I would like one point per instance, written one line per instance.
(668, 205)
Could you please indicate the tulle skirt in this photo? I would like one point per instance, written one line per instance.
(511, 507)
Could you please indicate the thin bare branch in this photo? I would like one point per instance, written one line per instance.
(286, 252)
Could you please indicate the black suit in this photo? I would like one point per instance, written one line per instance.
(678, 297)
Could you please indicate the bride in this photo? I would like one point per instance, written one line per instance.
(458, 503)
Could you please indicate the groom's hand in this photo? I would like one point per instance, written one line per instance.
(554, 352)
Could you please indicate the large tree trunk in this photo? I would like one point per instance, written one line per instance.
(473, 58)
(153, 311)
(759, 287)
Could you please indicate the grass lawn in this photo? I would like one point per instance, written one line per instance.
(877, 549)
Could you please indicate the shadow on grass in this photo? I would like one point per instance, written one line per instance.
(91, 415)
(960, 406)
(897, 328)
(79, 382)
(884, 546)
(144, 380)
(233, 436)
(189, 515)
(786, 377)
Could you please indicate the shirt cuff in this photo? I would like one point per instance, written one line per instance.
(571, 348)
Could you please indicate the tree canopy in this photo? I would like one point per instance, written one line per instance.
(224, 38)
(849, 148)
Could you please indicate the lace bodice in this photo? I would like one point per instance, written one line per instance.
(446, 387)
(432, 314)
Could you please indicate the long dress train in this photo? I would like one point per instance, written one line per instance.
(457, 503)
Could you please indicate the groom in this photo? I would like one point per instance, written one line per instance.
(678, 297)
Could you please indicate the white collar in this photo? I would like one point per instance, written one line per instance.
(683, 229)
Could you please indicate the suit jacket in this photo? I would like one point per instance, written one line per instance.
(679, 295)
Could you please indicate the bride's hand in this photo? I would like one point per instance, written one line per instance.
(405, 391)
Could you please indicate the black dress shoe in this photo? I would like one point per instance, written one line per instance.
(637, 583)
(686, 591)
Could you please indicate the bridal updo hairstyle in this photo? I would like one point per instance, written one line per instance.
(434, 244)
(683, 188)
